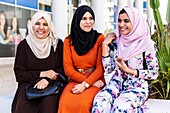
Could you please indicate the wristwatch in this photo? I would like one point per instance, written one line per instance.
(86, 84)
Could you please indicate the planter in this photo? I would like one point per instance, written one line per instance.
(158, 106)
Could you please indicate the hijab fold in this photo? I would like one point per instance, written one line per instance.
(138, 40)
(81, 40)
(41, 47)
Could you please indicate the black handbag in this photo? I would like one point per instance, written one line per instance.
(54, 87)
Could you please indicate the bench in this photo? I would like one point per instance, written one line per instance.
(158, 106)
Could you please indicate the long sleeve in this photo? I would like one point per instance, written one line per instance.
(68, 63)
(73, 61)
(98, 72)
(27, 66)
(59, 60)
(59, 57)
(134, 63)
(152, 66)
(108, 62)
(20, 67)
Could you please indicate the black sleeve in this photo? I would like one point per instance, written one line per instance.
(20, 66)
(59, 68)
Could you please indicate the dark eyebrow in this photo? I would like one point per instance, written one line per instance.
(37, 23)
(125, 20)
(45, 24)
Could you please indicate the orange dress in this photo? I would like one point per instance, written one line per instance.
(81, 103)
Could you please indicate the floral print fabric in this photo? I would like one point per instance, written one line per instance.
(124, 93)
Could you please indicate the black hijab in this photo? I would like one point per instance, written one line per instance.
(81, 40)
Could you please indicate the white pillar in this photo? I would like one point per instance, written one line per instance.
(139, 5)
(121, 4)
(130, 3)
(83, 2)
(59, 17)
(163, 10)
(150, 18)
(98, 7)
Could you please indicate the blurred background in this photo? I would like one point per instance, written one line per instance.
(15, 16)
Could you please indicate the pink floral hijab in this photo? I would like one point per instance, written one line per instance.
(138, 40)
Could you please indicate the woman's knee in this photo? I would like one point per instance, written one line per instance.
(124, 104)
(52, 100)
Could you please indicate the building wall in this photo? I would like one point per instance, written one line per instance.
(22, 11)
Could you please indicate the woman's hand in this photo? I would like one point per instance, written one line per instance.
(79, 88)
(109, 38)
(49, 74)
(121, 64)
(42, 84)
(99, 84)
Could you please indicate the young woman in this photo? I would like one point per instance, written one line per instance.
(82, 63)
(38, 57)
(130, 61)
(14, 32)
(4, 30)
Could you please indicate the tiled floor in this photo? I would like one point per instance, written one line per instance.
(7, 88)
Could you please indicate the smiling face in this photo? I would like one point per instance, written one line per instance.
(41, 28)
(124, 24)
(87, 22)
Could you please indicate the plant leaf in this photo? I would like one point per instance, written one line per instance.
(168, 12)
(154, 81)
(167, 92)
(167, 64)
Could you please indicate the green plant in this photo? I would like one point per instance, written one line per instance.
(154, 4)
(161, 86)
(168, 12)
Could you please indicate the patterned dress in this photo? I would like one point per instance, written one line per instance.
(124, 93)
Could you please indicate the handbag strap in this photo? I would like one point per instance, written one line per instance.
(62, 77)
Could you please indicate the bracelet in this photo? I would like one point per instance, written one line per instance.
(134, 73)
(104, 43)
(137, 73)
(106, 56)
